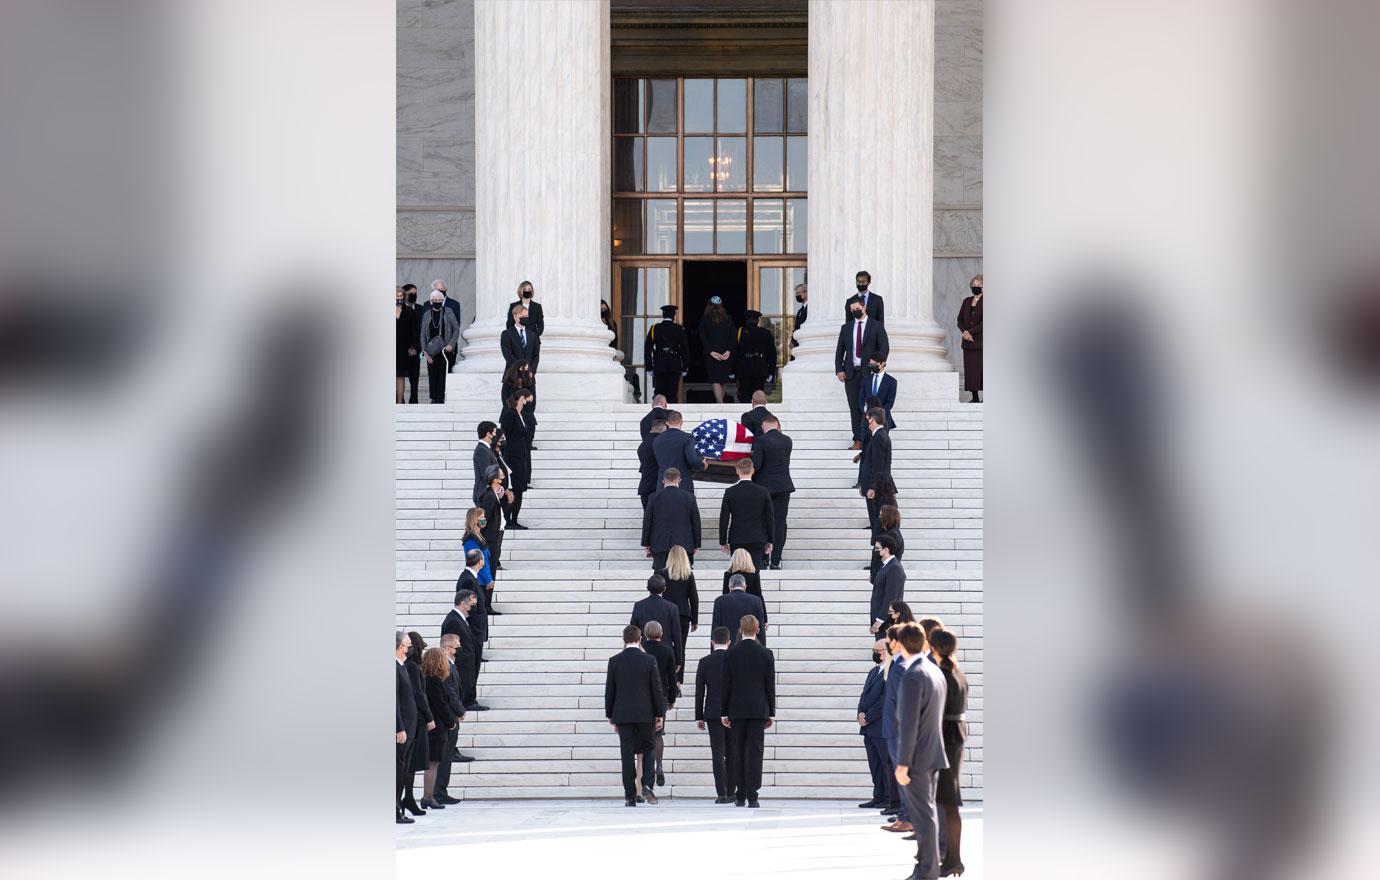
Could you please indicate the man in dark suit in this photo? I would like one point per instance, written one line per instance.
(802, 297)
(771, 462)
(754, 356)
(889, 586)
(672, 517)
(676, 449)
(749, 708)
(860, 340)
(518, 342)
(646, 463)
(870, 728)
(870, 301)
(536, 321)
(666, 352)
(896, 804)
(635, 706)
(484, 455)
(876, 460)
(407, 722)
(450, 644)
(730, 608)
(752, 419)
(880, 388)
(478, 617)
(457, 622)
(746, 517)
(658, 413)
(656, 607)
(920, 745)
(709, 682)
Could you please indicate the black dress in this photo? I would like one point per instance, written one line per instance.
(517, 446)
(955, 734)
(407, 333)
(717, 337)
(753, 578)
(418, 737)
(970, 319)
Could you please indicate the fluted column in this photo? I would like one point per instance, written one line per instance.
(542, 184)
(871, 81)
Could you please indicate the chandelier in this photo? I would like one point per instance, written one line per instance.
(719, 167)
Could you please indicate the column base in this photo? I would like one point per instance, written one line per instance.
(576, 364)
(918, 360)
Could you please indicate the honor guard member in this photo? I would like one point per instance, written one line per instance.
(754, 357)
(666, 353)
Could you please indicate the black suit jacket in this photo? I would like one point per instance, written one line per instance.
(442, 711)
(672, 517)
(536, 321)
(646, 423)
(875, 343)
(665, 657)
(731, 606)
(407, 702)
(749, 682)
(646, 468)
(746, 515)
(684, 595)
(484, 458)
(676, 449)
(752, 419)
(664, 612)
(493, 507)
(513, 349)
(885, 396)
(709, 686)
(754, 354)
(452, 304)
(888, 587)
(632, 689)
(876, 310)
(871, 702)
(771, 462)
(479, 614)
(454, 623)
(876, 459)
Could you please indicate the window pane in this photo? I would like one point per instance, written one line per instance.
(627, 164)
(627, 226)
(732, 105)
(797, 226)
(661, 105)
(699, 226)
(627, 105)
(797, 105)
(699, 105)
(732, 226)
(766, 164)
(699, 168)
(661, 164)
(730, 167)
(797, 276)
(767, 105)
(661, 226)
(797, 164)
(658, 291)
(769, 288)
(768, 227)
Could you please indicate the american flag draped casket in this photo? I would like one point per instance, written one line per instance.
(723, 442)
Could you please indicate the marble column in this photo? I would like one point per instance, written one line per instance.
(542, 176)
(871, 73)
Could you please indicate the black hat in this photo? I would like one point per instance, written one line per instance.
(751, 315)
(669, 311)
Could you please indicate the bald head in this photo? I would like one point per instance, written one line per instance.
(759, 398)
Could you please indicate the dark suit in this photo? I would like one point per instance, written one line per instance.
(454, 690)
(870, 706)
(407, 723)
(752, 419)
(893, 687)
(484, 458)
(920, 748)
(645, 426)
(749, 699)
(874, 344)
(633, 700)
(709, 687)
(646, 471)
(888, 587)
(467, 657)
(875, 462)
(515, 349)
(771, 461)
(666, 351)
(663, 612)
(746, 518)
(479, 614)
(754, 360)
(676, 449)
(536, 320)
(800, 315)
(672, 518)
(873, 304)
(885, 394)
(730, 608)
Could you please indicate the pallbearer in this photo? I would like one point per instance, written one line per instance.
(666, 354)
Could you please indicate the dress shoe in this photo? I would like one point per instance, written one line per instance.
(446, 799)
(891, 807)
(753, 803)
(413, 808)
(857, 444)
(518, 526)
(899, 826)
(630, 803)
(493, 612)
(651, 798)
(476, 707)
(405, 819)
(776, 566)
(461, 759)
(723, 800)
(952, 870)
(431, 805)
(641, 799)
(871, 805)
(857, 485)
(531, 446)
(660, 778)
(740, 803)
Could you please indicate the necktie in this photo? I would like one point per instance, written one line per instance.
(876, 385)
(857, 339)
(522, 335)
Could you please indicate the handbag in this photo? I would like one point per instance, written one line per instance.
(436, 344)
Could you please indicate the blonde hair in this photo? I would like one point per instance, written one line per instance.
(741, 561)
(678, 564)
(472, 524)
(435, 664)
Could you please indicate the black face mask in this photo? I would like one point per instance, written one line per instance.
(436, 307)
(975, 288)
(527, 294)
(412, 298)
(799, 298)
(876, 368)
(862, 287)
(857, 314)
(876, 657)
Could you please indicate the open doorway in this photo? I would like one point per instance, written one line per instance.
(701, 279)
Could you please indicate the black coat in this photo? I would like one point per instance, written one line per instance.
(753, 579)
(484, 458)
(513, 349)
(646, 423)
(646, 468)
(676, 449)
(493, 507)
(665, 657)
(479, 614)
(632, 688)
(888, 588)
(754, 356)
(419, 758)
(536, 320)
(875, 343)
(876, 310)
(719, 337)
(517, 445)
(666, 350)
(440, 704)
(709, 686)
(871, 702)
(730, 608)
(672, 517)
(876, 459)
(407, 702)
(469, 643)
(663, 612)
(749, 682)
(771, 462)
(746, 515)
(752, 419)
(683, 595)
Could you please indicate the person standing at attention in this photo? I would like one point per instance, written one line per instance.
(970, 322)
(635, 707)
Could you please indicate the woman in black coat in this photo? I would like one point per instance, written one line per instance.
(949, 793)
(518, 426)
(425, 721)
(407, 330)
(519, 375)
(436, 672)
(884, 493)
(741, 563)
(717, 338)
(888, 523)
(681, 592)
(970, 322)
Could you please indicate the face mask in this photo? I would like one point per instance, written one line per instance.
(483, 522)
(976, 288)
(412, 297)
(876, 368)
(527, 294)
(862, 285)
(519, 321)
(397, 302)
(436, 306)
(876, 657)
(857, 313)
(799, 298)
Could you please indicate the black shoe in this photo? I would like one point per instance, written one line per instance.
(661, 779)
(455, 755)
(774, 566)
(871, 805)
(740, 803)
(641, 799)
(403, 819)
(495, 613)
(531, 446)
(891, 808)
(518, 526)
(476, 707)
(433, 805)
(411, 807)
(723, 800)
(629, 803)
(954, 870)
(753, 803)
(461, 759)
(447, 800)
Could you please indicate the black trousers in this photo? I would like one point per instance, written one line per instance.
(781, 507)
(667, 384)
(879, 764)
(634, 740)
(404, 774)
(495, 551)
(436, 370)
(414, 376)
(644, 499)
(851, 387)
(443, 771)
(747, 386)
(469, 676)
(756, 551)
(680, 647)
(718, 741)
(515, 508)
(748, 742)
